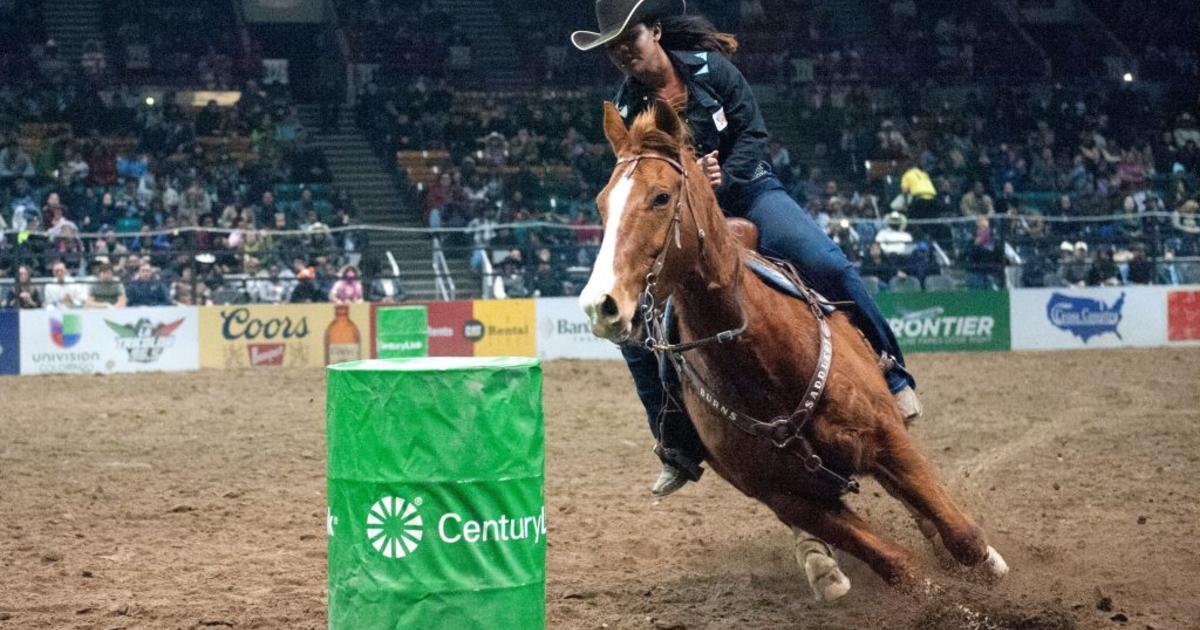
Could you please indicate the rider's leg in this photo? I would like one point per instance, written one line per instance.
(786, 231)
(680, 448)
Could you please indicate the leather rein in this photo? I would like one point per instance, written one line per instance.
(785, 431)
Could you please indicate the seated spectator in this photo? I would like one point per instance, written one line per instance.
(185, 291)
(511, 271)
(273, 288)
(348, 288)
(106, 291)
(1140, 267)
(64, 292)
(878, 266)
(307, 290)
(894, 238)
(23, 294)
(1074, 268)
(985, 258)
(146, 289)
(547, 280)
(1104, 271)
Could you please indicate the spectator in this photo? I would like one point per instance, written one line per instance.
(1104, 271)
(1141, 269)
(977, 202)
(877, 266)
(985, 258)
(63, 292)
(146, 289)
(894, 238)
(185, 291)
(307, 289)
(106, 291)
(1074, 269)
(24, 294)
(348, 289)
(272, 287)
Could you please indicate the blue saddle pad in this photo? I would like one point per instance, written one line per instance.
(774, 278)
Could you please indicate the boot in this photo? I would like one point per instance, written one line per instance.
(910, 405)
(669, 480)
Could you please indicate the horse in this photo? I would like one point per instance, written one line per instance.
(746, 349)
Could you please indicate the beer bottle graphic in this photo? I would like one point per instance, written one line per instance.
(342, 341)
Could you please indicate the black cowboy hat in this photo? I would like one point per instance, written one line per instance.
(615, 16)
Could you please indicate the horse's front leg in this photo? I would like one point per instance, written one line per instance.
(825, 577)
(835, 523)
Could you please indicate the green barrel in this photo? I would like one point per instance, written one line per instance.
(401, 331)
(437, 515)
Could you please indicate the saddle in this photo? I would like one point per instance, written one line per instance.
(778, 275)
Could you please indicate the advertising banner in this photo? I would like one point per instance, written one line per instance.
(447, 329)
(10, 343)
(1094, 317)
(948, 321)
(503, 328)
(400, 331)
(1183, 316)
(483, 328)
(284, 335)
(106, 341)
(563, 332)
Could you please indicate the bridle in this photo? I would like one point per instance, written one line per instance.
(651, 312)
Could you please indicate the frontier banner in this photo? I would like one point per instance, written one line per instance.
(948, 321)
(106, 341)
(285, 335)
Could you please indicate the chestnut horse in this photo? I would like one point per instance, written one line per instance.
(665, 236)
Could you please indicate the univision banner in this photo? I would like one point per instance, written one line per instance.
(10, 343)
(110, 340)
(283, 335)
(563, 332)
(955, 321)
(1094, 317)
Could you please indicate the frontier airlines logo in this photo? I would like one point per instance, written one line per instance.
(395, 528)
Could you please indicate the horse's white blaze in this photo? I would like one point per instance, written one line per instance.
(604, 273)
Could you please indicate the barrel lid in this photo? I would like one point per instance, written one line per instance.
(436, 364)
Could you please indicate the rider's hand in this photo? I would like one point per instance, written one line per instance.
(711, 168)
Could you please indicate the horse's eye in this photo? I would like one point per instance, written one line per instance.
(662, 199)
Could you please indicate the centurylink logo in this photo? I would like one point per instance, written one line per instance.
(395, 527)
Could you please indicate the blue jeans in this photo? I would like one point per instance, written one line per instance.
(785, 231)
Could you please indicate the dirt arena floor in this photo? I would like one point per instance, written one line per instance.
(197, 501)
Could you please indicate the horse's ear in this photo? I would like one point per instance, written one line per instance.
(614, 127)
(668, 121)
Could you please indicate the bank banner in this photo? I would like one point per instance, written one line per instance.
(10, 343)
(1094, 317)
(954, 321)
(563, 332)
(1183, 316)
(399, 331)
(483, 328)
(284, 335)
(109, 340)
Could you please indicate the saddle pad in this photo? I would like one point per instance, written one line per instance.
(776, 279)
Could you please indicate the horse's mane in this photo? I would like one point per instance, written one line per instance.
(645, 136)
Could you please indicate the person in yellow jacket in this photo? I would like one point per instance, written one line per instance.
(920, 197)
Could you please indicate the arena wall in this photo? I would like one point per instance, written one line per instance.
(297, 335)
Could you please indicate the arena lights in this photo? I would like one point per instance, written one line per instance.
(149, 101)
(1127, 77)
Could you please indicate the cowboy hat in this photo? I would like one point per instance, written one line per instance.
(615, 16)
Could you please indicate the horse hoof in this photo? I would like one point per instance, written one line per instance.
(825, 578)
(995, 565)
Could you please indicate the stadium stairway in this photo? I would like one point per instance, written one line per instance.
(71, 23)
(357, 169)
(493, 53)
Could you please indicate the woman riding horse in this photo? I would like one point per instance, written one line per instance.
(682, 60)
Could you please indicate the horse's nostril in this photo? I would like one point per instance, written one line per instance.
(608, 308)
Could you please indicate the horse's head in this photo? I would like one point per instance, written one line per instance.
(647, 215)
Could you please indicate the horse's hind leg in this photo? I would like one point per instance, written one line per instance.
(836, 524)
(906, 473)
